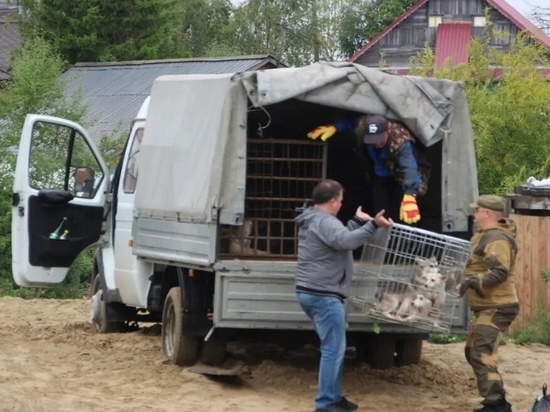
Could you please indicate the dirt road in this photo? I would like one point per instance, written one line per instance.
(50, 360)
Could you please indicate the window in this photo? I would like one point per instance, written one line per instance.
(61, 159)
(434, 21)
(131, 173)
(480, 21)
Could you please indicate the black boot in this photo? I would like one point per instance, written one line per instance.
(502, 405)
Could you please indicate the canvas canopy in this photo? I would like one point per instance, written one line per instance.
(193, 158)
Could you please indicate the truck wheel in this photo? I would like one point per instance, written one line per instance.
(409, 352)
(214, 350)
(100, 319)
(363, 348)
(181, 350)
(382, 351)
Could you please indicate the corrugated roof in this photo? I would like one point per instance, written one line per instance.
(451, 43)
(502, 6)
(114, 92)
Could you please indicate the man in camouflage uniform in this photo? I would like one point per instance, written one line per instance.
(491, 293)
(399, 171)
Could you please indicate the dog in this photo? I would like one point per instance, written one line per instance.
(432, 281)
(407, 305)
(427, 267)
(239, 238)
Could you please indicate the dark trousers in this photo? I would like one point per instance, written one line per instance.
(385, 193)
(481, 349)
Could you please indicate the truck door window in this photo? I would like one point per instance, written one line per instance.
(131, 173)
(61, 159)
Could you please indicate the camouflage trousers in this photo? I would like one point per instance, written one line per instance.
(481, 349)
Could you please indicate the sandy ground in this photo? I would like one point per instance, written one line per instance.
(50, 360)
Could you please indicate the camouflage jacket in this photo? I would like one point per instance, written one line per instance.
(493, 260)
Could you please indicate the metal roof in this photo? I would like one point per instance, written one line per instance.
(501, 6)
(451, 43)
(114, 91)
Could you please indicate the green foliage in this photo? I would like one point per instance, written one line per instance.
(104, 30)
(509, 109)
(538, 331)
(445, 338)
(35, 88)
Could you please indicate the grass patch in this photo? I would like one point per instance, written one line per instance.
(445, 338)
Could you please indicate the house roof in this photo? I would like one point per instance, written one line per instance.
(114, 91)
(500, 5)
(395, 23)
(451, 43)
(521, 21)
(10, 39)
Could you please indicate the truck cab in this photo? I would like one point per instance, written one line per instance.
(202, 240)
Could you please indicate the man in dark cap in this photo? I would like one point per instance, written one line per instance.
(399, 172)
(490, 289)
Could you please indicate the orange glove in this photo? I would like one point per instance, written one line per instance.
(324, 132)
(409, 212)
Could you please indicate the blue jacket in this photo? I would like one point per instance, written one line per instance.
(406, 160)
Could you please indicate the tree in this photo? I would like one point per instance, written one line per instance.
(104, 30)
(362, 20)
(35, 88)
(541, 16)
(509, 109)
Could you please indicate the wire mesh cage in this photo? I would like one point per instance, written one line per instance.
(417, 273)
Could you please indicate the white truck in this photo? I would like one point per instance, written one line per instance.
(204, 240)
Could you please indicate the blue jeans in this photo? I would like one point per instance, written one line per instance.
(329, 319)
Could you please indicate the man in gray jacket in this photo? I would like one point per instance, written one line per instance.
(323, 278)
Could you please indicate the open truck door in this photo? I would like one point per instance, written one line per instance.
(59, 199)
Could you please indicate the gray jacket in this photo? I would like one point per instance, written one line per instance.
(325, 260)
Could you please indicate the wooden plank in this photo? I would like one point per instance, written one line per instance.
(533, 257)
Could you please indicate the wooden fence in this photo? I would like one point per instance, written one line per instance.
(533, 237)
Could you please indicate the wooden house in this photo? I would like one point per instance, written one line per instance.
(447, 27)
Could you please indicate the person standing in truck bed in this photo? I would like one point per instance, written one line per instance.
(399, 171)
(323, 278)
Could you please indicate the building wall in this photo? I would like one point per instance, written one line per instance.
(397, 47)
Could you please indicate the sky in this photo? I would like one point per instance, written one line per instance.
(526, 6)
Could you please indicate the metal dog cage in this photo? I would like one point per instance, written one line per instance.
(412, 265)
(281, 174)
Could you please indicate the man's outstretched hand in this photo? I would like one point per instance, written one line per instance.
(381, 220)
(365, 217)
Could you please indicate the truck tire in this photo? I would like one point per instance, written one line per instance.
(382, 352)
(409, 352)
(100, 319)
(214, 351)
(179, 349)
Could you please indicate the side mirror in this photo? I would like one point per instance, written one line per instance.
(84, 182)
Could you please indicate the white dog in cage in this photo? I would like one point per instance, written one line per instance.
(407, 305)
(432, 281)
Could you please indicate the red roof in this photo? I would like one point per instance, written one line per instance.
(500, 5)
(451, 43)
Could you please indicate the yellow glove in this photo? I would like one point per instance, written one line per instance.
(409, 212)
(324, 132)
